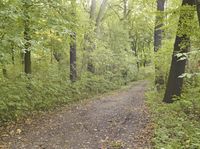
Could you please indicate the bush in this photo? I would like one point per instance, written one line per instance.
(22, 96)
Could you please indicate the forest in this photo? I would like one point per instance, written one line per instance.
(100, 74)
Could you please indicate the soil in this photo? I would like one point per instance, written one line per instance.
(119, 120)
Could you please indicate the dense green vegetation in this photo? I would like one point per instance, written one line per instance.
(177, 124)
(56, 52)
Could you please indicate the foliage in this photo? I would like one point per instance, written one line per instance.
(22, 96)
(120, 48)
(176, 125)
(117, 48)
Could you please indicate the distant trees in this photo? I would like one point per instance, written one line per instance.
(181, 47)
(49, 32)
(96, 20)
(100, 14)
(89, 48)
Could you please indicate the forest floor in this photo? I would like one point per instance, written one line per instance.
(118, 120)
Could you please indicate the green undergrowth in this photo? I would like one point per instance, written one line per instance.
(177, 125)
(21, 96)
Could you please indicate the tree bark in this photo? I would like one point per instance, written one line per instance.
(100, 14)
(73, 71)
(93, 10)
(198, 9)
(158, 35)
(27, 38)
(90, 66)
(159, 24)
(12, 53)
(125, 8)
(4, 70)
(182, 45)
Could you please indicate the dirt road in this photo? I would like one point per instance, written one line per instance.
(116, 121)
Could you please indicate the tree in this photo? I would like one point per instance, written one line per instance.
(27, 38)
(90, 66)
(158, 31)
(73, 71)
(198, 9)
(93, 10)
(90, 48)
(158, 25)
(125, 8)
(181, 46)
(100, 15)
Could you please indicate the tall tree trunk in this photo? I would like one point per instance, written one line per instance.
(125, 8)
(158, 25)
(27, 38)
(175, 82)
(73, 71)
(159, 78)
(100, 14)
(93, 10)
(198, 10)
(90, 66)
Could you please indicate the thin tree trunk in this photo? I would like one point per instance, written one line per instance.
(4, 70)
(90, 66)
(125, 9)
(159, 24)
(100, 14)
(27, 38)
(73, 71)
(198, 9)
(12, 53)
(93, 10)
(158, 35)
(175, 82)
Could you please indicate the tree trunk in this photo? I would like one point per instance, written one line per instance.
(175, 82)
(93, 10)
(159, 78)
(91, 47)
(4, 70)
(125, 8)
(90, 66)
(12, 53)
(100, 14)
(73, 71)
(198, 10)
(159, 24)
(27, 38)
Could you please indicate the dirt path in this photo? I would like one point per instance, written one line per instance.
(116, 121)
